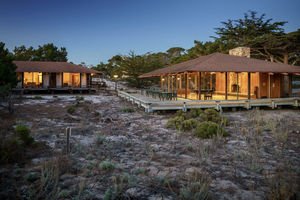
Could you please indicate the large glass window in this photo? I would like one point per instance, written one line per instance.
(33, 79)
(71, 80)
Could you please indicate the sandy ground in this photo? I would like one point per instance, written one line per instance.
(134, 156)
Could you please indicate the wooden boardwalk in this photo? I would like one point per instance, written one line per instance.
(152, 105)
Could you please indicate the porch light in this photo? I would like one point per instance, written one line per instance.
(178, 78)
(163, 79)
(116, 76)
(212, 72)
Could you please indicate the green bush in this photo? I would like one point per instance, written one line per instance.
(208, 129)
(10, 150)
(195, 112)
(212, 115)
(225, 121)
(38, 97)
(180, 113)
(23, 133)
(189, 124)
(176, 122)
(79, 98)
(71, 109)
(106, 165)
(127, 110)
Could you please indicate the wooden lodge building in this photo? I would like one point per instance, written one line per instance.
(227, 77)
(44, 75)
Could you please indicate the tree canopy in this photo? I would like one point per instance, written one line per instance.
(47, 52)
(8, 78)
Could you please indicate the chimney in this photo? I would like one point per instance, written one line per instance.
(240, 51)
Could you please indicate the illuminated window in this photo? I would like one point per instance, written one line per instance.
(71, 80)
(33, 79)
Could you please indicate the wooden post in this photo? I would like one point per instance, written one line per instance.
(290, 85)
(168, 83)
(68, 133)
(199, 85)
(62, 76)
(269, 85)
(22, 79)
(259, 88)
(249, 85)
(226, 86)
(237, 89)
(186, 86)
(80, 80)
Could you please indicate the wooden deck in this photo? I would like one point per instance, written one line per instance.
(152, 105)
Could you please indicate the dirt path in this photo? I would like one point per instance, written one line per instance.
(117, 148)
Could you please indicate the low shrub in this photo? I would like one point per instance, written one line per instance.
(225, 121)
(23, 133)
(79, 98)
(212, 115)
(190, 121)
(71, 109)
(11, 150)
(38, 97)
(195, 112)
(176, 122)
(189, 124)
(106, 165)
(127, 110)
(208, 129)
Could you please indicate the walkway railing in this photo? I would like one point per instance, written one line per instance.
(184, 105)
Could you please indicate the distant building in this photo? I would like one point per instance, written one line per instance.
(221, 76)
(47, 75)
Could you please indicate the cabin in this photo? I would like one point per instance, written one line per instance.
(53, 76)
(233, 76)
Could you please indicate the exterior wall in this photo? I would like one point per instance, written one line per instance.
(220, 82)
(264, 87)
(254, 85)
(45, 80)
(83, 80)
(20, 79)
(58, 80)
(275, 85)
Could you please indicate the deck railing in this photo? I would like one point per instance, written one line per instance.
(184, 105)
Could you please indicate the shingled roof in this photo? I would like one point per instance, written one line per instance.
(55, 67)
(218, 62)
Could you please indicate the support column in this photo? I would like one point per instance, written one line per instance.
(186, 85)
(199, 85)
(226, 86)
(62, 77)
(238, 86)
(22, 79)
(80, 81)
(269, 77)
(290, 85)
(259, 88)
(168, 83)
(249, 85)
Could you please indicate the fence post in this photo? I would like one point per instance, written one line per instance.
(148, 109)
(68, 133)
(184, 107)
(272, 104)
(296, 103)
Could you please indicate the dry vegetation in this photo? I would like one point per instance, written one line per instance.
(120, 152)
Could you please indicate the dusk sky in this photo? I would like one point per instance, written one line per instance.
(94, 31)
